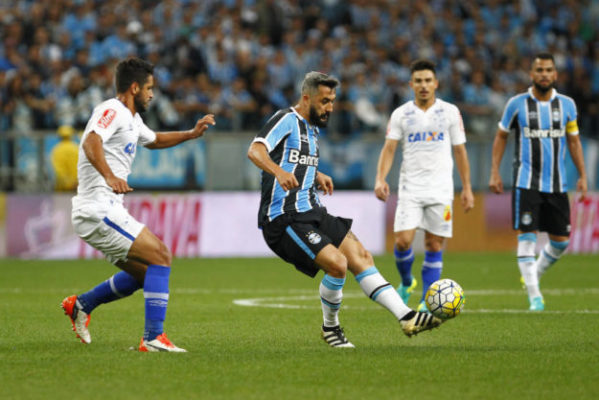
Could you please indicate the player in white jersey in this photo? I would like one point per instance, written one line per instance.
(428, 129)
(106, 153)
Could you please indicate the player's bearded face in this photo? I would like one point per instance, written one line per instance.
(144, 96)
(320, 119)
(321, 106)
(543, 75)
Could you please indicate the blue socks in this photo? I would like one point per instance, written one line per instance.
(431, 269)
(404, 261)
(156, 299)
(117, 286)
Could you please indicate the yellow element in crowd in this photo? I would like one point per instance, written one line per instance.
(64, 158)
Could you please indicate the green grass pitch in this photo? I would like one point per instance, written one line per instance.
(251, 327)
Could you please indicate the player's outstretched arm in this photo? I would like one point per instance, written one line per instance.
(258, 154)
(324, 182)
(170, 139)
(575, 148)
(92, 147)
(461, 159)
(495, 183)
(381, 187)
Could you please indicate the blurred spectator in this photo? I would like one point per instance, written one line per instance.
(272, 44)
(64, 158)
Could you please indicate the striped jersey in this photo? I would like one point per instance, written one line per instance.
(292, 143)
(540, 128)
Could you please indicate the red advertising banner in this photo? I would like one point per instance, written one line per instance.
(584, 237)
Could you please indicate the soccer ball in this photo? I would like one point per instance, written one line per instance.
(445, 298)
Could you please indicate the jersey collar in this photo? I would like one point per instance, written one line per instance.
(553, 94)
(308, 124)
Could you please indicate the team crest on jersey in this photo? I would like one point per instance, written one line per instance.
(555, 115)
(314, 237)
(526, 218)
(447, 214)
(106, 118)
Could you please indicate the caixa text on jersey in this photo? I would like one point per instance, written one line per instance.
(303, 159)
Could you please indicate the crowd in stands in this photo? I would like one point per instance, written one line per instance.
(242, 59)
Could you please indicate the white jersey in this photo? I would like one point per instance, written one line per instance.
(427, 138)
(121, 132)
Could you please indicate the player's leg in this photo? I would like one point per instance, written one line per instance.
(150, 251)
(554, 219)
(432, 266)
(111, 231)
(376, 287)
(437, 222)
(334, 264)
(525, 216)
(551, 252)
(404, 258)
(408, 217)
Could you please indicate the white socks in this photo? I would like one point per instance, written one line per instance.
(526, 263)
(378, 289)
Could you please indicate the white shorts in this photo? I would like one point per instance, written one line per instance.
(107, 226)
(431, 215)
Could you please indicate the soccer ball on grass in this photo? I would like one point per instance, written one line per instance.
(445, 298)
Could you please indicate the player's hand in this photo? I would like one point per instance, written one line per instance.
(581, 187)
(467, 199)
(381, 190)
(202, 125)
(118, 185)
(324, 182)
(495, 183)
(287, 180)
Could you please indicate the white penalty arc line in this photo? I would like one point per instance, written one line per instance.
(284, 301)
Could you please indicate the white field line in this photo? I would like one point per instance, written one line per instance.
(284, 301)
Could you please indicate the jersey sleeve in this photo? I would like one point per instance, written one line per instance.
(509, 114)
(457, 133)
(394, 130)
(146, 135)
(571, 116)
(105, 121)
(275, 130)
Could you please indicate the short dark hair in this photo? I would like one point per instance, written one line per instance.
(314, 79)
(544, 55)
(131, 70)
(421, 65)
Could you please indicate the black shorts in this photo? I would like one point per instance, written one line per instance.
(537, 211)
(298, 238)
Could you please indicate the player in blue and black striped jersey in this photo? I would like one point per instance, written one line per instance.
(299, 229)
(544, 124)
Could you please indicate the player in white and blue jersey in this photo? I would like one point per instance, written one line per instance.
(544, 124)
(299, 229)
(106, 153)
(429, 130)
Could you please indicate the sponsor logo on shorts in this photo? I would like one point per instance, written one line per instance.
(568, 228)
(106, 118)
(526, 218)
(314, 237)
(447, 213)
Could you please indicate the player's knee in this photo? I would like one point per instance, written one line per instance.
(433, 245)
(163, 254)
(337, 266)
(401, 244)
